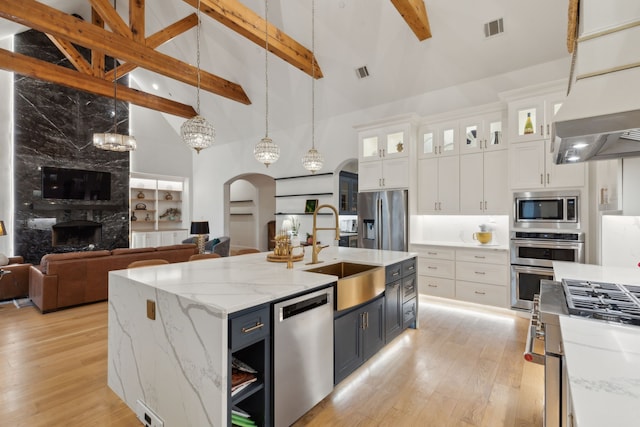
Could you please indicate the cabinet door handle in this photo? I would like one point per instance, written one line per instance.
(435, 206)
(383, 183)
(366, 319)
(547, 178)
(397, 273)
(480, 204)
(479, 292)
(547, 128)
(258, 325)
(482, 273)
(479, 256)
(362, 321)
(431, 285)
(432, 267)
(432, 253)
(541, 179)
(439, 206)
(485, 205)
(541, 130)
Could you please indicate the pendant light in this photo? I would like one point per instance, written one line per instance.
(313, 160)
(197, 132)
(266, 151)
(114, 141)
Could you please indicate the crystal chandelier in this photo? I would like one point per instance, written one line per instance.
(266, 151)
(114, 141)
(313, 160)
(197, 132)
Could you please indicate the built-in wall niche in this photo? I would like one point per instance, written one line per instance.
(158, 210)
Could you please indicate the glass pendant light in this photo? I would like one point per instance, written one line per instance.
(114, 141)
(313, 160)
(197, 132)
(266, 151)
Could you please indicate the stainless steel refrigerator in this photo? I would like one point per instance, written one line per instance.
(383, 220)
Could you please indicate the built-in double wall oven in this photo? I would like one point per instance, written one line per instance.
(546, 228)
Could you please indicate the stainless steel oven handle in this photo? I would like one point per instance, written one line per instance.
(547, 244)
(529, 354)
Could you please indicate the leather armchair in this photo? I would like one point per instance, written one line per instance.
(16, 283)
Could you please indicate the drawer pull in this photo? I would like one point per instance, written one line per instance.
(479, 256)
(432, 268)
(432, 285)
(480, 272)
(396, 273)
(480, 293)
(432, 253)
(252, 328)
(411, 268)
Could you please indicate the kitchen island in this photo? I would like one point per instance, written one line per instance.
(169, 326)
(602, 358)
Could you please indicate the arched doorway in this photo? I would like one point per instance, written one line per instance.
(250, 205)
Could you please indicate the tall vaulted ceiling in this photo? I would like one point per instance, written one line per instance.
(349, 34)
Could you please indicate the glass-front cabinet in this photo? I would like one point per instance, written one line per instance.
(530, 119)
(482, 133)
(383, 143)
(439, 139)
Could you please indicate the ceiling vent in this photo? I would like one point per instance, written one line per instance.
(493, 28)
(362, 72)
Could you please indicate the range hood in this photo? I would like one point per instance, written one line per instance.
(600, 118)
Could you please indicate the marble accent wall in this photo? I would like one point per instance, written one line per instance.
(53, 126)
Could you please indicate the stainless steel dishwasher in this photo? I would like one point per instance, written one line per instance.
(302, 354)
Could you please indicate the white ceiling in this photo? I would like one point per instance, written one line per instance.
(349, 34)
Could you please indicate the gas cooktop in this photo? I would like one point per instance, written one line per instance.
(605, 301)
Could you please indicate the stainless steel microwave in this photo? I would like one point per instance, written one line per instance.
(546, 209)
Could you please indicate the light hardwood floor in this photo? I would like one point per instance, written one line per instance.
(463, 367)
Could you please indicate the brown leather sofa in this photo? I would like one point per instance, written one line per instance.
(16, 283)
(74, 278)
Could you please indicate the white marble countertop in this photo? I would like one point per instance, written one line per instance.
(572, 270)
(603, 358)
(465, 245)
(603, 365)
(230, 284)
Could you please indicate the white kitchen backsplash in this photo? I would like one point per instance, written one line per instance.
(458, 228)
(621, 241)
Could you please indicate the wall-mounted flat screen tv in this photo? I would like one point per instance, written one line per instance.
(77, 184)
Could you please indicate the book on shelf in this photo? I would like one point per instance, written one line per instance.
(241, 375)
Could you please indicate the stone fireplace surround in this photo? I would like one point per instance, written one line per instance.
(53, 126)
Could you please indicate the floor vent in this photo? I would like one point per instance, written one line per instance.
(494, 28)
(362, 72)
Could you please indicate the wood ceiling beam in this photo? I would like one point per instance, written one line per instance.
(157, 39)
(111, 17)
(43, 70)
(71, 53)
(136, 20)
(247, 23)
(97, 57)
(414, 13)
(51, 21)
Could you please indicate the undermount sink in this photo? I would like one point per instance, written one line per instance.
(357, 283)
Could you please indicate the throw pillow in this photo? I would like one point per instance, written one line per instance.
(4, 260)
(215, 242)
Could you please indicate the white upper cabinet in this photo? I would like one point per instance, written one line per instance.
(384, 158)
(530, 119)
(438, 185)
(483, 183)
(384, 143)
(482, 133)
(440, 139)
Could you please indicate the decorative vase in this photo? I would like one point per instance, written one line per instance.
(147, 218)
(133, 216)
(295, 240)
(140, 195)
(168, 196)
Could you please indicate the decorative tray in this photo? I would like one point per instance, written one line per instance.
(284, 258)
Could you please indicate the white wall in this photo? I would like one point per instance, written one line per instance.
(336, 138)
(6, 153)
